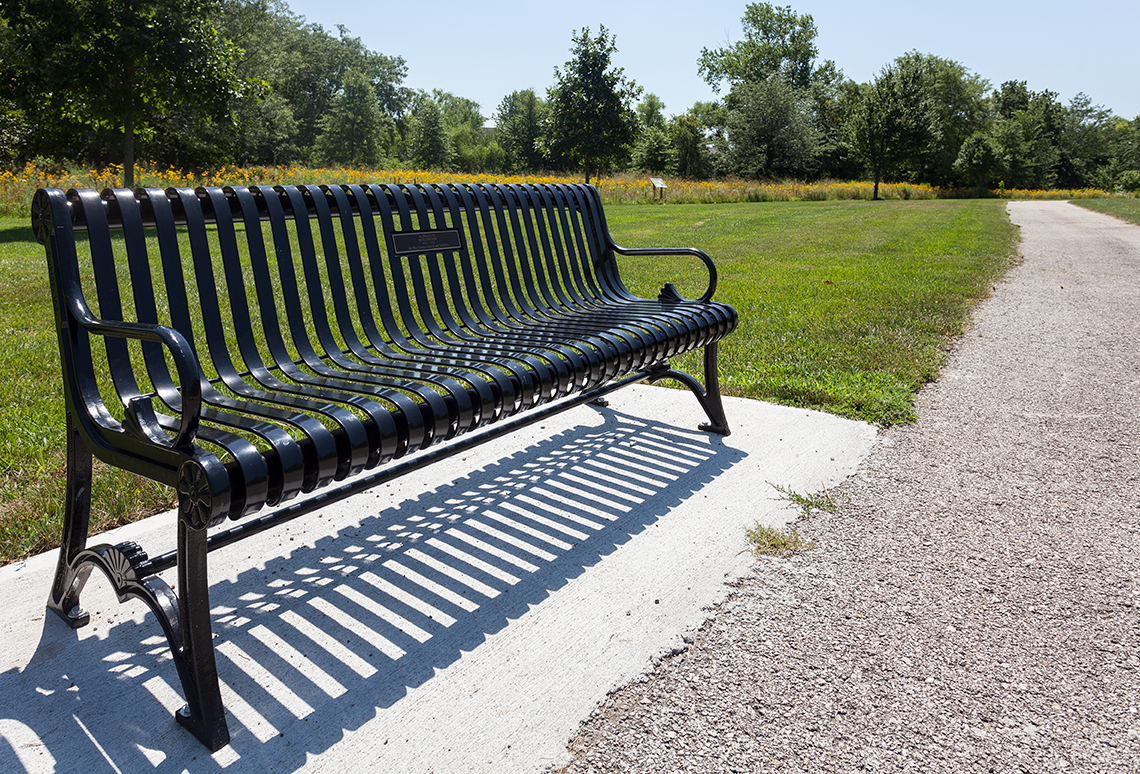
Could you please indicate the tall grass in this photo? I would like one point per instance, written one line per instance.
(17, 186)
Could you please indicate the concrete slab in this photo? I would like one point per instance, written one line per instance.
(464, 618)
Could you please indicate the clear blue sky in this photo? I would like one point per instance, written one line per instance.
(484, 51)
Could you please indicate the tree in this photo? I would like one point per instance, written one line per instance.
(297, 69)
(321, 62)
(831, 98)
(1084, 145)
(890, 122)
(474, 146)
(651, 111)
(430, 147)
(13, 130)
(770, 130)
(979, 162)
(776, 40)
(1025, 133)
(958, 109)
(690, 143)
(1124, 141)
(119, 65)
(591, 120)
(654, 152)
(1011, 97)
(265, 130)
(354, 132)
(518, 129)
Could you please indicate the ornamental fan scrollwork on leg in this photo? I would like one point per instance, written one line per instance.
(194, 495)
(121, 560)
(669, 294)
(120, 563)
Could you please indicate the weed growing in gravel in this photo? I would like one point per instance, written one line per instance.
(807, 503)
(776, 541)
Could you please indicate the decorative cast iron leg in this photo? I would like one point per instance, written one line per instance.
(708, 395)
(185, 620)
(203, 715)
(712, 403)
(70, 577)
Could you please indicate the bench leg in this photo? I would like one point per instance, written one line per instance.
(712, 404)
(204, 716)
(70, 575)
(185, 618)
(708, 395)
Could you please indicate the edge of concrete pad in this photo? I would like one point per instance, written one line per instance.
(506, 686)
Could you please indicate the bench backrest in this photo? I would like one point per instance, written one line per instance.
(402, 258)
(257, 278)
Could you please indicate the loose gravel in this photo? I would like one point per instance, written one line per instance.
(973, 605)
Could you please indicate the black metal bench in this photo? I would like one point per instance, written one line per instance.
(251, 345)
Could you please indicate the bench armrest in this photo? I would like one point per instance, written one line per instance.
(185, 363)
(708, 294)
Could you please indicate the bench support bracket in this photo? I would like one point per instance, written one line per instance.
(708, 395)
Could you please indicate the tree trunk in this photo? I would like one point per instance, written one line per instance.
(129, 129)
(878, 175)
(129, 150)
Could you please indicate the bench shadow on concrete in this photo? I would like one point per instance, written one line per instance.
(342, 628)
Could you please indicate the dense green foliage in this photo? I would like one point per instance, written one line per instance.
(592, 123)
(519, 122)
(891, 122)
(776, 42)
(770, 131)
(116, 66)
(354, 132)
(207, 83)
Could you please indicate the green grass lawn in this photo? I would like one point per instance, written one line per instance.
(846, 306)
(1125, 209)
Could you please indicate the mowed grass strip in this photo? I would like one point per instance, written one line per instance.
(848, 307)
(1126, 209)
(845, 306)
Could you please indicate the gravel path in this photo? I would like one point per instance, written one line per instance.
(974, 606)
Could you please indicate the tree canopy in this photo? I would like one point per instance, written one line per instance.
(118, 65)
(519, 120)
(199, 84)
(592, 122)
(354, 132)
(770, 130)
(890, 123)
(776, 40)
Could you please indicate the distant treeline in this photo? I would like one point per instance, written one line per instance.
(249, 82)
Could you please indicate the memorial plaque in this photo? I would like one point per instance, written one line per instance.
(420, 242)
